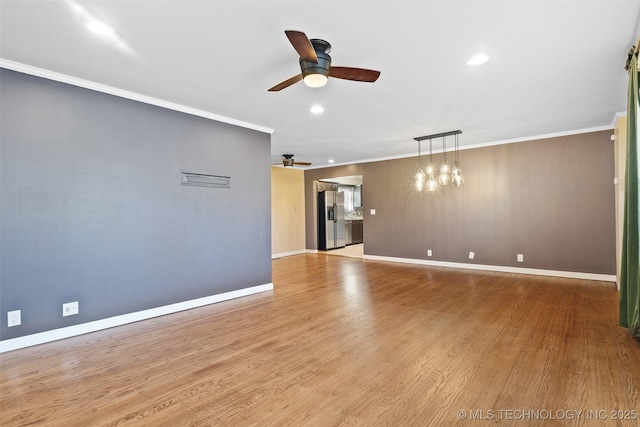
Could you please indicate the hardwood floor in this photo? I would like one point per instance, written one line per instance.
(345, 341)
(353, 251)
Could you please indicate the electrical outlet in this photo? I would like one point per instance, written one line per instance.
(520, 258)
(472, 255)
(14, 318)
(70, 308)
(429, 252)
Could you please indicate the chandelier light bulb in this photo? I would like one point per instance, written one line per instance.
(444, 178)
(432, 184)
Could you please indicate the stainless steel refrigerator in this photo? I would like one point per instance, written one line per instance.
(331, 232)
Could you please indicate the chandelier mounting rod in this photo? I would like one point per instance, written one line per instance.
(438, 135)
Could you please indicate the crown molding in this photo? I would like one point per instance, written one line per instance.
(617, 116)
(63, 78)
(481, 145)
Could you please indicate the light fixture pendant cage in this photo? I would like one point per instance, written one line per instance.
(432, 184)
(420, 177)
(456, 171)
(446, 173)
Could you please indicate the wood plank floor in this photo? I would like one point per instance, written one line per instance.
(345, 341)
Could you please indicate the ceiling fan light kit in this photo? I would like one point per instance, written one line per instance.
(315, 64)
(315, 80)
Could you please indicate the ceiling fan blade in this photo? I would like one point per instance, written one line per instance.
(302, 163)
(357, 74)
(302, 45)
(286, 83)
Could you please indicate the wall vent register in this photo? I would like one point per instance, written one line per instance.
(203, 180)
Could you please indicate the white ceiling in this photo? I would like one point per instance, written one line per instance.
(555, 66)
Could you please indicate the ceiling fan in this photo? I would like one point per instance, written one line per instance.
(315, 64)
(287, 160)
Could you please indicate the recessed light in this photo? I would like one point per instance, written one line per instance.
(100, 28)
(317, 109)
(478, 59)
(331, 161)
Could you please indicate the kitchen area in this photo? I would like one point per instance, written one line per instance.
(340, 213)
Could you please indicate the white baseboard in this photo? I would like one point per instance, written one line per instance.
(284, 254)
(499, 268)
(98, 325)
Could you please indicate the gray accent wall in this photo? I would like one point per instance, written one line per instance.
(551, 200)
(93, 210)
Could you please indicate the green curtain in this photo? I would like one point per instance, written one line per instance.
(630, 271)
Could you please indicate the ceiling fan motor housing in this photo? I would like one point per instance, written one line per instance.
(322, 48)
(322, 67)
(287, 160)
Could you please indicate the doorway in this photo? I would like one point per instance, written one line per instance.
(351, 187)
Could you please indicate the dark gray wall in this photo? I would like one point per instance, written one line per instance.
(551, 200)
(93, 210)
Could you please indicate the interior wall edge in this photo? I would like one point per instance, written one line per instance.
(111, 322)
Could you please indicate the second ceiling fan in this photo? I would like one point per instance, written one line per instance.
(287, 160)
(315, 64)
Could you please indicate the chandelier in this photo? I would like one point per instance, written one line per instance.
(425, 177)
